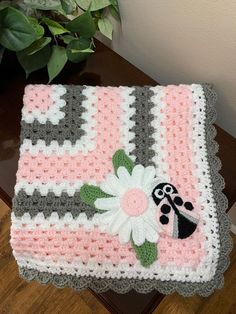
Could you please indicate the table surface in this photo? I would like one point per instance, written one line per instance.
(104, 67)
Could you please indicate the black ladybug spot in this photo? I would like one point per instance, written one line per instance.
(188, 205)
(164, 219)
(165, 209)
(178, 201)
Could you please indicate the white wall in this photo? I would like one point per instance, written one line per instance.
(183, 41)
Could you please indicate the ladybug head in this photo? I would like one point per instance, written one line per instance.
(162, 190)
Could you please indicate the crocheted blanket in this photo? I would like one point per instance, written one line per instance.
(118, 188)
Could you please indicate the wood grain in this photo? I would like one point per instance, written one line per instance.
(19, 297)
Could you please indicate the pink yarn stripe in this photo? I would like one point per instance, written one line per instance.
(180, 159)
(95, 165)
(179, 146)
(67, 244)
(38, 97)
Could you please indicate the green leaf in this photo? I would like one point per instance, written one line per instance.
(39, 30)
(105, 27)
(54, 27)
(114, 3)
(56, 62)
(5, 4)
(146, 253)
(93, 5)
(84, 4)
(121, 159)
(34, 62)
(78, 44)
(44, 4)
(37, 45)
(16, 31)
(67, 38)
(83, 24)
(89, 50)
(24, 8)
(115, 12)
(90, 193)
(68, 6)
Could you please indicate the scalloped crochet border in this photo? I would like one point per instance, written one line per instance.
(166, 287)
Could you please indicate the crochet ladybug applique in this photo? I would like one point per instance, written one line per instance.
(176, 216)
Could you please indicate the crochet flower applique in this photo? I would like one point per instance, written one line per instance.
(126, 205)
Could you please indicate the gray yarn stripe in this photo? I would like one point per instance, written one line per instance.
(36, 203)
(166, 287)
(68, 128)
(143, 130)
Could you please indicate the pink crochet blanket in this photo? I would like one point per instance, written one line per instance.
(118, 188)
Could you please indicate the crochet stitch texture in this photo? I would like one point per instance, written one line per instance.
(68, 139)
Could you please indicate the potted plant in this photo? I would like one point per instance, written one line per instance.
(50, 33)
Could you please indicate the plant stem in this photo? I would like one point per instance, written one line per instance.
(55, 39)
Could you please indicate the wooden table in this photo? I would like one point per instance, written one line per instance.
(105, 67)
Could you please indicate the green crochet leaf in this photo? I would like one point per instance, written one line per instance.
(121, 159)
(89, 194)
(146, 253)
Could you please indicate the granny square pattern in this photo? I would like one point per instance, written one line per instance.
(119, 188)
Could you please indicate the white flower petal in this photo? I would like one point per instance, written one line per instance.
(115, 220)
(149, 186)
(107, 188)
(149, 174)
(153, 183)
(119, 221)
(124, 176)
(107, 203)
(151, 234)
(125, 232)
(137, 175)
(138, 232)
(115, 185)
(150, 218)
(107, 218)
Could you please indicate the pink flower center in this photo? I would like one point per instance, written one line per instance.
(134, 202)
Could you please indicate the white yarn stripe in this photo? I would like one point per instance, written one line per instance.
(52, 186)
(54, 148)
(108, 270)
(54, 113)
(127, 124)
(208, 206)
(159, 133)
(87, 141)
(53, 221)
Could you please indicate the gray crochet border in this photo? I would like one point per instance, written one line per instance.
(165, 287)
